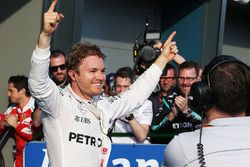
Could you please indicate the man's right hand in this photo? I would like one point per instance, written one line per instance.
(51, 19)
(169, 50)
(12, 120)
(50, 24)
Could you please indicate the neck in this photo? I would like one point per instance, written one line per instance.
(24, 101)
(79, 93)
(62, 84)
(215, 113)
(163, 94)
(58, 83)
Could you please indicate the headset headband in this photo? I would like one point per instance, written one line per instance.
(200, 99)
(218, 61)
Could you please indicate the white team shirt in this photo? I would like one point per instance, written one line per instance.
(74, 128)
(226, 143)
(142, 114)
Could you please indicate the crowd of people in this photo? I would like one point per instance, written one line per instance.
(69, 101)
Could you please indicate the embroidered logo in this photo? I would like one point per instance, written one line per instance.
(82, 119)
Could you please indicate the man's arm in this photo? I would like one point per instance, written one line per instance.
(140, 125)
(36, 117)
(40, 85)
(139, 130)
(178, 59)
(145, 84)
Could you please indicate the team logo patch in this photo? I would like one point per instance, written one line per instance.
(82, 119)
(104, 150)
(24, 116)
(111, 99)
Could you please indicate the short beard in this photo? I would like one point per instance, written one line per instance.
(58, 82)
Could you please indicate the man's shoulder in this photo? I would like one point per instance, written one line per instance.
(154, 96)
(190, 135)
(11, 108)
(107, 99)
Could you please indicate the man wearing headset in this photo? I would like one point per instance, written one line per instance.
(223, 96)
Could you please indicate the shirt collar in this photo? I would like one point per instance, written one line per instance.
(230, 121)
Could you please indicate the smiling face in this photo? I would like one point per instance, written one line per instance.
(122, 84)
(167, 82)
(89, 81)
(186, 78)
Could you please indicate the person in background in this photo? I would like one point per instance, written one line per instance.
(161, 100)
(200, 73)
(18, 114)
(183, 115)
(167, 83)
(225, 140)
(109, 87)
(77, 118)
(175, 115)
(188, 74)
(58, 68)
(139, 120)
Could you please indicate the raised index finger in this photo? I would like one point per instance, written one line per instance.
(170, 38)
(52, 6)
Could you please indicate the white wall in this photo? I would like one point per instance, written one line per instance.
(241, 52)
(237, 31)
(19, 32)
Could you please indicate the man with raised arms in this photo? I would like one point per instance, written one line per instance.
(76, 119)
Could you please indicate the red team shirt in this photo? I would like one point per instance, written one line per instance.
(23, 132)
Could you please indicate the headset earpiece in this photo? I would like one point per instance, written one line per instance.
(199, 97)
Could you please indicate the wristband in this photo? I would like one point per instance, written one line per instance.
(130, 117)
(187, 112)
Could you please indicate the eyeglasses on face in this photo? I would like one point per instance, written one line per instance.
(189, 79)
(167, 78)
(56, 68)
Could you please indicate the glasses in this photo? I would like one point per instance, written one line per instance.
(189, 79)
(56, 68)
(167, 78)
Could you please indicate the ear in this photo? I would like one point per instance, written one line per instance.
(23, 91)
(71, 75)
